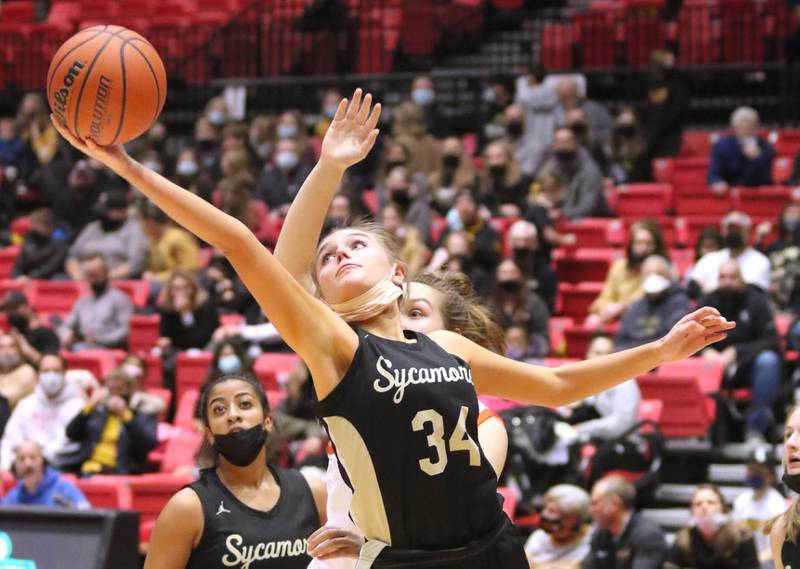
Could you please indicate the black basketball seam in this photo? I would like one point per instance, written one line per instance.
(76, 132)
(66, 55)
(124, 91)
(159, 105)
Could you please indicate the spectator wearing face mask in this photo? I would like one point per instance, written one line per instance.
(761, 502)
(412, 250)
(328, 106)
(515, 305)
(576, 120)
(411, 194)
(281, 179)
(225, 288)
(101, 318)
(456, 255)
(542, 113)
(171, 248)
(664, 303)
(39, 484)
(42, 416)
(423, 94)
(17, 377)
(395, 154)
(497, 96)
(42, 255)
(261, 137)
(116, 236)
(711, 540)
(207, 146)
(502, 188)
(467, 215)
(113, 437)
(583, 181)
(749, 352)
(216, 112)
(564, 533)
(455, 171)
(290, 126)
(523, 239)
(33, 338)
(755, 266)
(410, 129)
(594, 116)
(230, 356)
(742, 158)
(629, 162)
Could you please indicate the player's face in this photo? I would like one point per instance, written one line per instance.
(348, 263)
(791, 443)
(422, 310)
(233, 406)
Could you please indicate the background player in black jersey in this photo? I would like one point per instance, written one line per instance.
(358, 276)
(242, 512)
(784, 530)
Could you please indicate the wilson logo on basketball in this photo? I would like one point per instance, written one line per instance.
(62, 95)
(100, 107)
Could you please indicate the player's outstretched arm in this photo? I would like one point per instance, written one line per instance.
(349, 139)
(324, 341)
(502, 377)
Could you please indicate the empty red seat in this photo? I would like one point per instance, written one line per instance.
(272, 368)
(644, 200)
(584, 264)
(556, 46)
(184, 414)
(697, 34)
(555, 329)
(742, 31)
(144, 332)
(509, 500)
(684, 411)
(645, 32)
(98, 362)
(761, 202)
(786, 142)
(682, 260)
(702, 202)
(575, 299)
(697, 143)
(17, 11)
(594, 33)
(688, 172)
(56, 297)
(8, 257)
(109, 492)
(593, 232)
(149, 494)
(137, 290)
(191, 371)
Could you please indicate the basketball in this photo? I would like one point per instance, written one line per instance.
(107, 83)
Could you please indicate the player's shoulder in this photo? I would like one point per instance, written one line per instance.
(452, 342)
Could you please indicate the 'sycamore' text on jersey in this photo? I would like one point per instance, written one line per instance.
(403, 423)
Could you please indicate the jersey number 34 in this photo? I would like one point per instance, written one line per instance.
(459, 440)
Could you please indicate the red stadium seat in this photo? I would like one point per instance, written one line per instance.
(144, 332)
(191, 371)
(702, 202)
(184, 414)
(697, 143)
(438, 227)
(584, 264)
(594, 33)
(555, 328)
(643, 200)
(697, 33)
(593, 232)
(56, 296)
(575, 299)
(137, 290)
(742, 31)
(682, 260)
(180, 450)
(684, 412)
(786, 142)
(688, 172)
(8, 257)
(272, 368)
(17, 11)
(556, 46)
(761, 202)
(149, 494)
(645, 32)
(109, 492)
(98, 362)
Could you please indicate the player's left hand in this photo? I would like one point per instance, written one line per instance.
(352, 133)
(329, 542)
(694, 332)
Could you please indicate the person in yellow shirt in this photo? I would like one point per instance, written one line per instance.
(171, 247)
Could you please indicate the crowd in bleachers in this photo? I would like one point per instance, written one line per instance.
(581, 226)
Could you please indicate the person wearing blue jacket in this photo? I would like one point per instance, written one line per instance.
(40, 485)
(742, 158)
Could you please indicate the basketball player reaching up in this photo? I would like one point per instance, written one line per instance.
(400, 408)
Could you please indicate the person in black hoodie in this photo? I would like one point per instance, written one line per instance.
(663, 304)
(667, 107)
(41, 256)
(750, 351)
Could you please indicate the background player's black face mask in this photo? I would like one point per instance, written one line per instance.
(241, 448)
(792, 481)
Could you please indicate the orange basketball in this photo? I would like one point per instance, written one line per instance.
(107, 83)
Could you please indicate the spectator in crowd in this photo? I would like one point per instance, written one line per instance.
(502, 188)
(191, 175)
(207, 146)
(629, 162)
(783, 258)
(513, 124)
(42, 417)
(749, 352)
(101, 318)
(34, 338)
(623, 282)
(666, 109)
(235, 164)
(663, 303)
(328, 105)
(217, 112)
(542, 113)
(412, 249)
(516, 305)
(42, 255)
(712, 540)
(395, 154)
(576, 120)
(518, 344)
(117, 237)
(136, 367)
(523, 240)
(340, 211)
(423, 95)
(261, 136)
(171, 247)
(465, 216)
(597, 118)
(760, 502)
(602, 420)
(114, 438)
(564, 532)
(497, 96)
(454, 172)
(410, 193)
(17, 377)
(410, 129)
(755, 267)
(75, 206)
(33, 122)
(290, 126)
(225, 288)
(39, 484)
(16, 156)
(235, 197)
(742, 158)
(582, 179)
(622, 537)
(188, 317)
(456, 255)
(709, 240)
(281, 179)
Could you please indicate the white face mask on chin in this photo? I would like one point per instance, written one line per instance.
(655, 284)
(371, 302)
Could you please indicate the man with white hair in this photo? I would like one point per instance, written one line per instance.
(564, 531)
(523, 240)
(755, 266)
(597, 117)
(742, 158)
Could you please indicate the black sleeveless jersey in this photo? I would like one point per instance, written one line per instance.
(403, 423)
(239, 537)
